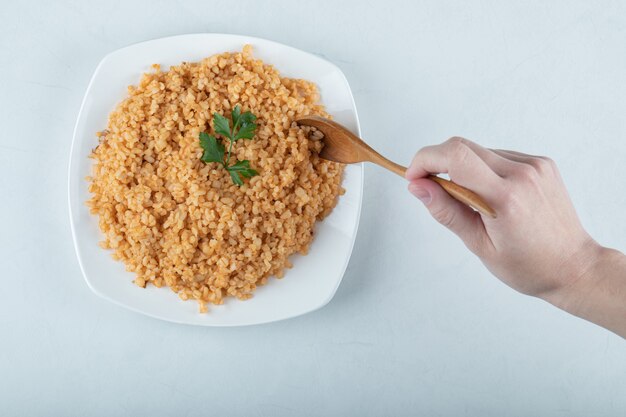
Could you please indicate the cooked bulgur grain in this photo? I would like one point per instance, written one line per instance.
(176, 221)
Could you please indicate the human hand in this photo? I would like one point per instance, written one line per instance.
(536, 244)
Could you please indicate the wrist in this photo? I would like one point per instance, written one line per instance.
(581, 276)
(599, 294)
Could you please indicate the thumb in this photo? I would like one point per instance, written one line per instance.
(456, 216)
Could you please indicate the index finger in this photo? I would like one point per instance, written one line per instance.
(461, 163)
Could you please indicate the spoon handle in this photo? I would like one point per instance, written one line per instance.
(461, 194)
(390, 165)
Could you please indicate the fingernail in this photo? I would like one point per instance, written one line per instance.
(420, 193)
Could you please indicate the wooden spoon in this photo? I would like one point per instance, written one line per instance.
(341, 145)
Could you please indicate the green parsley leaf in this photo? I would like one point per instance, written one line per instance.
(213, 150)
(221, 126)
(235, 116)
(249, 173)
(239, 165)
(243, 168)
(247, 117)
(236, 178)
(246, 131)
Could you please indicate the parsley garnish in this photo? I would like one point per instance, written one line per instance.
(243, 128)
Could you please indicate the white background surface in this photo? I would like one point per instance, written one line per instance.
(418, 325)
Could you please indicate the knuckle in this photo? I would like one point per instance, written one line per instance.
(458, 149)
(526, 173)
(419, 155)
(547, 160)
(543, 164)
(423, 150)
(456, 141)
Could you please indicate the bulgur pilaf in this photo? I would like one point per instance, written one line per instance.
(178, 222)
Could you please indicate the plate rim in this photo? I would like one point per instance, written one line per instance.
(71, 180)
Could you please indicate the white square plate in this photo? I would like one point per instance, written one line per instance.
(314, 278)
